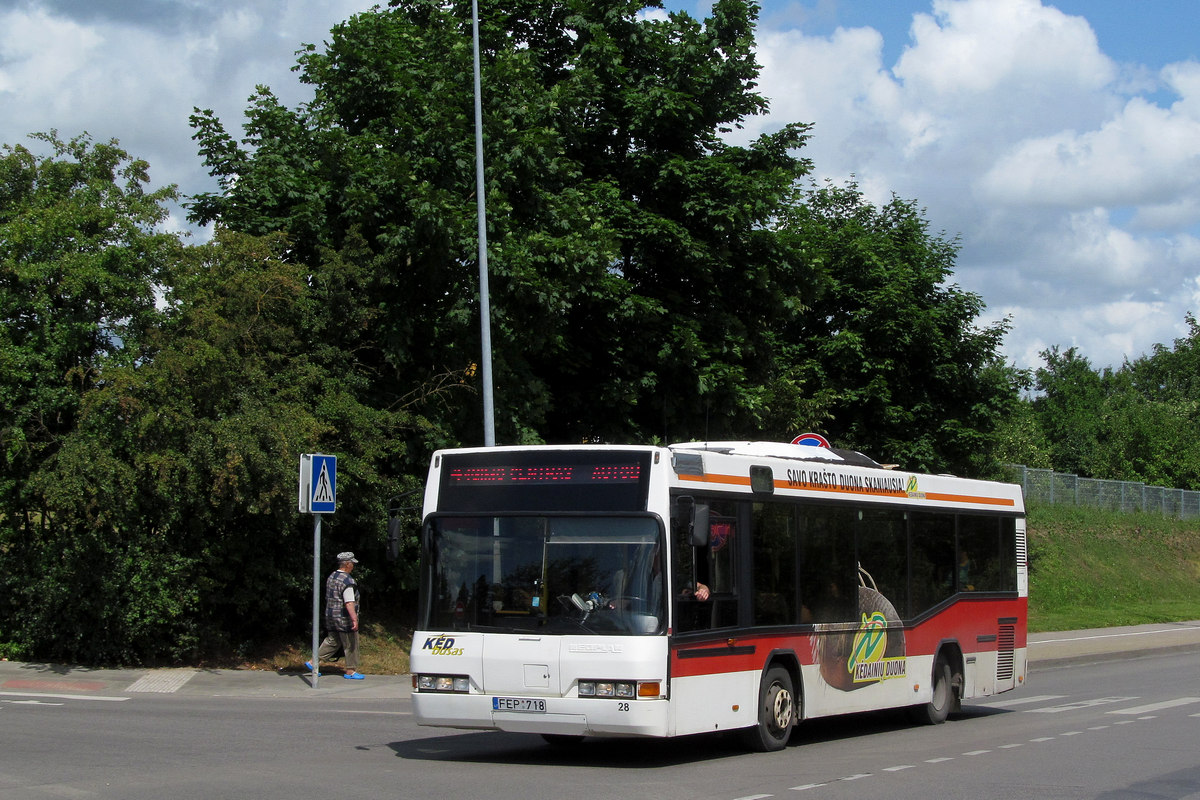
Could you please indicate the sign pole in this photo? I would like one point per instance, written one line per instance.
(316, 617)
(318, 495)
(485, 303)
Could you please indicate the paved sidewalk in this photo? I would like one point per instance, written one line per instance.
(52, 679)
(20, 679)
(1100, 644)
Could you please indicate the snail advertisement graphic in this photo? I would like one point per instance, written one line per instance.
(851, 658)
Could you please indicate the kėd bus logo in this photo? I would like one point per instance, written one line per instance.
(442, 645)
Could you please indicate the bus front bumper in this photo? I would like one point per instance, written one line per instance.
(566, 716)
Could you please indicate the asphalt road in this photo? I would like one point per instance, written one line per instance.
(1110, 713)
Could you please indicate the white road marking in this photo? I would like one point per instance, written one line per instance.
(65, 696)
(1102, 636)
(1097, 701)
(1146, 709)
(1024, 701)
(1139, 710)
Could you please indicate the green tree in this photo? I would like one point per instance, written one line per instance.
(1151, 407)
(632, 250)
(1021, 440)
(1071, 395)
(889, 344)
(171, 505)
(79, 259)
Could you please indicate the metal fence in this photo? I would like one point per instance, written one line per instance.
(1062, 488)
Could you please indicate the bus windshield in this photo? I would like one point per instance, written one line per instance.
(561, 574)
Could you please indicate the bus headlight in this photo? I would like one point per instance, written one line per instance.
(443, 683)
(626, 690)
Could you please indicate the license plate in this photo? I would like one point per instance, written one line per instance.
(527, 704)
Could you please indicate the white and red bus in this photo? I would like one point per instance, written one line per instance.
(611, 590)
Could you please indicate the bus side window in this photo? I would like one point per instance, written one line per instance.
(723, 544)
(774, 560)
(932, 559)
(883, 558)
(828, 568)
(986, 561)
(712, 567)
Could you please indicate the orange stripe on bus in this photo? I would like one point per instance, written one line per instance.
(735, 480)
(962, 498)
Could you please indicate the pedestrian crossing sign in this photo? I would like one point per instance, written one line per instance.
(318, 483)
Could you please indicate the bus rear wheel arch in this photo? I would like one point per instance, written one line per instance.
(947, 682)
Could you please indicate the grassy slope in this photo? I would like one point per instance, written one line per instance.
(1090, 568)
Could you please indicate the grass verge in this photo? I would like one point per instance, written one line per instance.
(383, 650)
(1090, 568)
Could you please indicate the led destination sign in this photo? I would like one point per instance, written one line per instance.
(531, 475)
(545, 480)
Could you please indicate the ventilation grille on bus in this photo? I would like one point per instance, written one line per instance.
(1006, 644)
(1022, 552)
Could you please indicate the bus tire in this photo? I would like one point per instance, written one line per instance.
(938, 708)
(777, 712)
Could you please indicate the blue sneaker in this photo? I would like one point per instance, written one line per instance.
(308, 666)
(354, 676)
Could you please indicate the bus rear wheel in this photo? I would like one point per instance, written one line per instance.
(938, 708)
(777, 712)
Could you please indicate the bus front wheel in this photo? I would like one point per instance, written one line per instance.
(777, 712)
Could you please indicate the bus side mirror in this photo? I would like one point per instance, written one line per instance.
(695, 516)
(393, 540)
(698, 531)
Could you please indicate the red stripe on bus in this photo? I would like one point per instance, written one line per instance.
(964, 622)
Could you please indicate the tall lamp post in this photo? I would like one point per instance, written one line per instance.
(485, 307)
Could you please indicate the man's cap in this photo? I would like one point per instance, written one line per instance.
(346, 556)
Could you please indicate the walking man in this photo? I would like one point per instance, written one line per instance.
(341, 617)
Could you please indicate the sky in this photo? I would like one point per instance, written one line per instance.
(1058, 141)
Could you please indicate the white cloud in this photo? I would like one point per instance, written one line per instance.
(40, 53)
(1075, 192)
(966, 51)
(1145, 154)
(137, 77)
